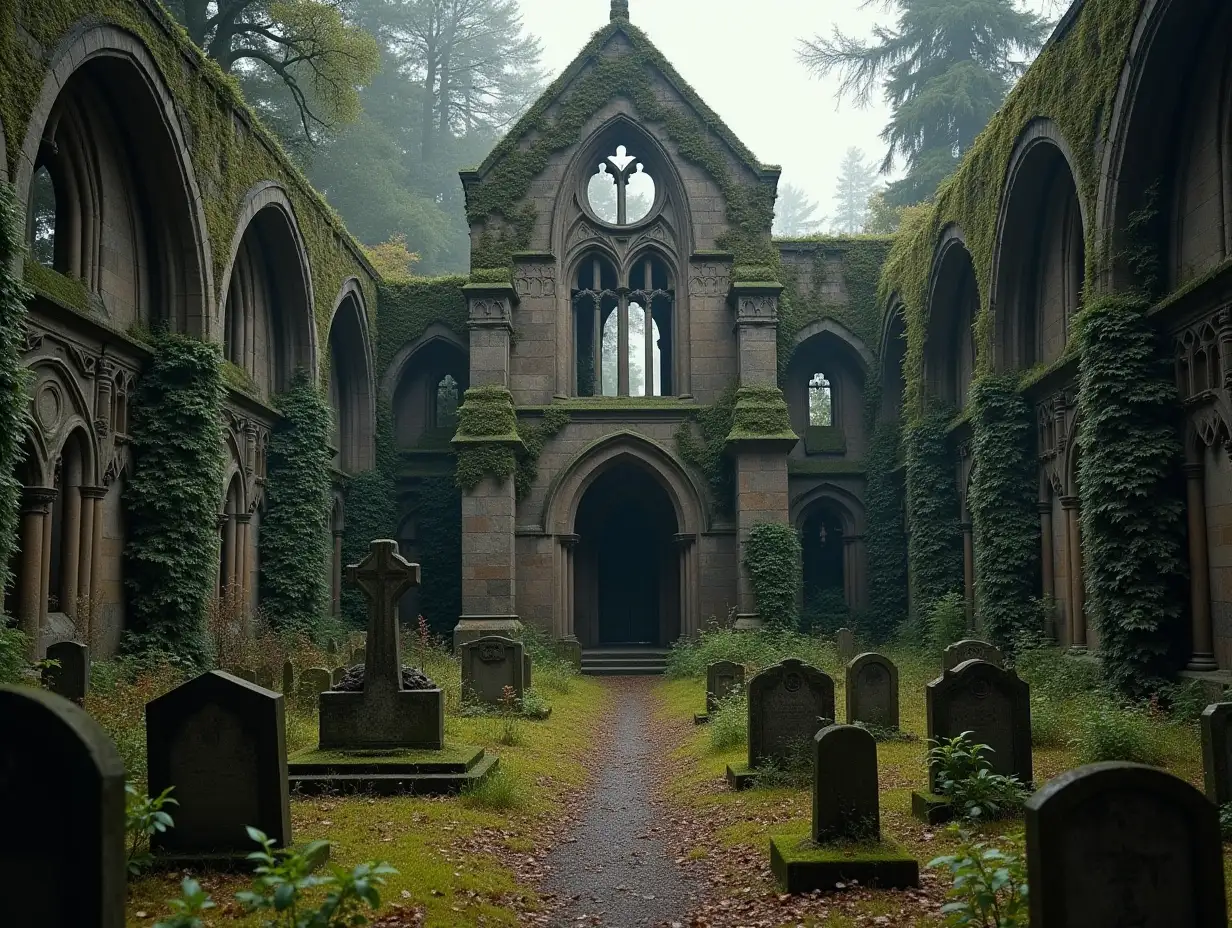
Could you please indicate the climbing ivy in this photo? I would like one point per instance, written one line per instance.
(487, 437)
(13, 400)
(437, 505)
(1003, 512)
(772, 556)
(935, 543)
(535, 438)
(295, 531)
(885, 540)
(408, 307)
(706, 453)
(1131, 507)
(173, 498)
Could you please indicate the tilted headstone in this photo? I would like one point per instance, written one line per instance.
(990, 703)
(71, 678)
(845, 797)
(383, 714)
(63, 863)
(1113, 845)
(970, 649)
(845, 639)
(337, 675)
(789, 703)
(1217, 751)
(288, 678)
(312, 683)
(722, 678)
(872, 690)
(221, 742)
(489, 665)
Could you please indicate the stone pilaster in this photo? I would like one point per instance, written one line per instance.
(761, 435)
(489, 510)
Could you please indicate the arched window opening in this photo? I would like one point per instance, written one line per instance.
(632, 354)
(821, 407)
(41, 235)
(950, 351)
(447, 403)
(621, 192)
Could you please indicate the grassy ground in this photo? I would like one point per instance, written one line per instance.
(740, 823)
(456, 857)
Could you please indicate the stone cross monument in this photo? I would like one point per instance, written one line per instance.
(383, 576)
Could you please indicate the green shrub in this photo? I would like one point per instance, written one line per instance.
(946, 621)
(729, 722)
(499, 791)
(144, 817)
(1184, 700)
(1108, 732)
(795, 771)
(1048, 723)
(1052, 672)
(755, 650)
(186, 911)
(989, 888)
(964, 774)
(14, 667)
(825, 612)
(772, 558)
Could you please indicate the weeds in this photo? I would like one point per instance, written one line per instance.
(499, 791)
(729, 722)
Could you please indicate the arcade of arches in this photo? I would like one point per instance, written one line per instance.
(624, 322)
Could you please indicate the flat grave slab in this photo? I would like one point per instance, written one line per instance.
(449, 770)
(800, 866)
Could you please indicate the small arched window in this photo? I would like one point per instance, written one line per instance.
(621, 192)
(42, 226)
(821, 401)
(447, 403)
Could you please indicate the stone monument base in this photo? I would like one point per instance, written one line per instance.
(388, 773)
(741, 776)
(366, 721)
(570, 649)
(701, 718)
(748, 622)
(219, 861)
(931, 808)
(473, 627)
(800, 866)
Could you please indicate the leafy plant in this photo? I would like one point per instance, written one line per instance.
(499, 791)
(772, 558)
(964, 774)
(946, 621)
(284, 876)
(1107, 731)
(794, 771)
(729, 722)
(989, 889)
(187, 910)
(14, 644)
(1225, 821)
(510, 731)
(144, 817)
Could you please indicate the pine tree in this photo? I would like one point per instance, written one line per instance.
(856, 180)
(794, 213)
(944, 68)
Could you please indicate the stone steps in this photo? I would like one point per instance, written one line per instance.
(624, 661)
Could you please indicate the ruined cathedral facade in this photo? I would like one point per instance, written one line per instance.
(588, 431)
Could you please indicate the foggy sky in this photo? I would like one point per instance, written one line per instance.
(740, 56)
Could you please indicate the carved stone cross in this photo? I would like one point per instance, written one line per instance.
(383, 576)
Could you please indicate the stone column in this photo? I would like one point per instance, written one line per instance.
(566, 628)
(224, 556)
(336, 576)
(686, 545)
(1046, 577)
(70, 540)
(45, 566)
(849, 571)
(969, 573)
(489, 511)
(91, 506)
(1072, 506)
(35, 502)
(243, 526)
(1199, 570)
(622, 344)
(228, 551)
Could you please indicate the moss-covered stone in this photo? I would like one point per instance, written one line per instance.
(800, 866)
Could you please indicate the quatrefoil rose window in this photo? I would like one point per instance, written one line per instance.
(621, 193)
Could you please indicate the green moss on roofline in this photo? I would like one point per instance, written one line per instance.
(64, 290)
(556, 122)
(1074, 83)
(407, 307)
(760, 414)
(231, 151)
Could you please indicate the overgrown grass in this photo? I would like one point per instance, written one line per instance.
(755, 651)
(729, 723)
(500, 791)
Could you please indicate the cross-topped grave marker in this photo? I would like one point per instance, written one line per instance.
(383, 576)
(384, 713)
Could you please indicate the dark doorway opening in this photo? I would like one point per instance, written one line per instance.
(627, 584)
(821, 541)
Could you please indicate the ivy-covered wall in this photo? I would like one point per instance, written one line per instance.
(13, 399)
(231, 151)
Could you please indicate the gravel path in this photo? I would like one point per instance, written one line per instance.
(615, 869)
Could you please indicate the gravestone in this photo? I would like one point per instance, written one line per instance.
(991, 703)
(489, 665)
(357, 657)
(71, 679)
(526, 671)
(871, 686)
(1217, 752)
(788, 703)
(845, 797)
(63, 864)
(722, 678)
(312, 683)
(1114, 845)
(265, 677)
(337, 675)
(845, 639)
(970, 649)
(244, 674)
(221, 742)
(384, 714)
(288, 678)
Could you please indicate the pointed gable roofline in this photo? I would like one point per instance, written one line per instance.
(557, 119)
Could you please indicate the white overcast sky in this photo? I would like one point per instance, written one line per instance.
(741, 57)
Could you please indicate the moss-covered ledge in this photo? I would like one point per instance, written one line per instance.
(760, 417)
(487, 441)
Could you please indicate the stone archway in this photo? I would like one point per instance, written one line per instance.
(831, 523)
(626, 516)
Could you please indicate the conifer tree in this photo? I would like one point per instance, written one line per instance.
(856, 180)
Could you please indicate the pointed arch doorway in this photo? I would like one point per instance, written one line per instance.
(627, 580)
